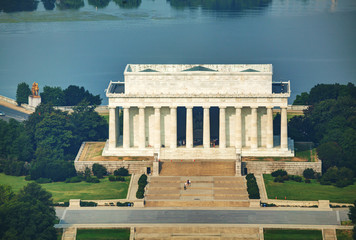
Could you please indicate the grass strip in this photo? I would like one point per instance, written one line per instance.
(100, 234)
(62, 191)
(292, 234)
(313, 191)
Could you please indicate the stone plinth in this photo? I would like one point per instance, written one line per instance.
(34, 101)
(255, 203)
(74, 203)
(325, 204)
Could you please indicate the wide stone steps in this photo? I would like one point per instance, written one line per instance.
(224, 168)
(208, 189)
(197, 233)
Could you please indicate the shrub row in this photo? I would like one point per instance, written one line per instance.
(88, 204)
(125, 204)
(252, 188)
(61, 204)
(142, 182)
(121, 172)
(113, 178)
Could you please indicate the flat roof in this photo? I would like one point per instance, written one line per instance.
(190, 68)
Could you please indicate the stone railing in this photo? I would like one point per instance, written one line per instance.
(9, 100)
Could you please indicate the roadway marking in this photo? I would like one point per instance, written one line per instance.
(63, 216)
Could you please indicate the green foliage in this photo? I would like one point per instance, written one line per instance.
(121, 172)
(352, 213)
(279, 172)
(18, 5)
(92, 179)
(74, 95)
(22, 93)
(142, 182)
(75, 179)
(103, 234)
(28, 215)
(99, 170)
(43, 180)
(339, 177)
(53, 95)
(307, 181)
(6, 194)
(309, 173)
(252, 187)
(48, 4)
(99, 3)
(70, 4)
(302, 99)
(289, 234)
(88, 204)
(330, 122)
(128, 4)
(125, 204)
(112, 178)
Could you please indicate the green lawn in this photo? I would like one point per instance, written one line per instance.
(309, 191)
(292, 234)
(98, 234)
(64, 191)
(344, 234)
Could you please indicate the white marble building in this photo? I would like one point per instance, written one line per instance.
(235, 116)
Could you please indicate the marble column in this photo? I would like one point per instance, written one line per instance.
(206, 127)
(254, 128)
(189, 128)
(141, 137)
(284, 133)
(238, 136)
(222, 128)
(126, 131)
(269, 127)
(157, 138)
(114, 129)
(173, 127)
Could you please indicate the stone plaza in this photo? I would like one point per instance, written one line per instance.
(197, 112)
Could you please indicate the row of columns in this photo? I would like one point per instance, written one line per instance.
(114, 128)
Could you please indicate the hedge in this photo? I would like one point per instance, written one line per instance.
(252, 188)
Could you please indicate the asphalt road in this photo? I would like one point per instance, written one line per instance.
(11, 113)
(148, 216)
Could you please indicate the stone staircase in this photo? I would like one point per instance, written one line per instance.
(203, 192)
(329, 234)
(191, 232)
(197, 168)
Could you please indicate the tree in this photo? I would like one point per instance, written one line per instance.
(28, 215)
(309, 173)
(48, 4)
(74, 95)
(22, 93)
(99, 3)
(18, 5)
(53, 95)
(98, 170)
(6, 194)
(70, 4)
(302, 99)
(330, 153)
(352, 213)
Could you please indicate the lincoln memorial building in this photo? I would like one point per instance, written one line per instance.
(197, 112)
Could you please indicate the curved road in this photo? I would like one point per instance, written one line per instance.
(11, 113)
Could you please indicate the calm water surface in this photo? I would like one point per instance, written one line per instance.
(308, 42)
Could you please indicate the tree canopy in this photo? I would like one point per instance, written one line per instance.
(28, 214)
(70, 96)
(330, 122)
(22, 92)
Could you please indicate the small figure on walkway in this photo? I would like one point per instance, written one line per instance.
(185, 186)
(188, 182)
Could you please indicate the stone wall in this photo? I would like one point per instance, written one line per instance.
(137, 167)
(294, 168)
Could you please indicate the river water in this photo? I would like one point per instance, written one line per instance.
(308, 42)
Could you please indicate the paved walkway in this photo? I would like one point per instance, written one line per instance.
(131, 195)
(166, 216)
(261, 186)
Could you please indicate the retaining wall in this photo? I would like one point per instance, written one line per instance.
(293, 168)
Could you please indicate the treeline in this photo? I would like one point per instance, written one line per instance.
(29, 214)
(330, 122)
(31, 5)
(70, 96)
(45, 145)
